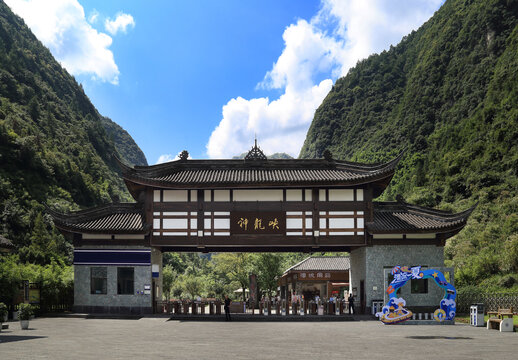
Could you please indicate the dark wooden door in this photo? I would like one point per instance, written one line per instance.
(362, 297)
(153, 296)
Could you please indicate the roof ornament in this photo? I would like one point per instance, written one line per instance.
(184, 155)
(400, 198)
(255, 153)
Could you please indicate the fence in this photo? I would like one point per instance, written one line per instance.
(283, 307)
(491, 301)
(60, 301)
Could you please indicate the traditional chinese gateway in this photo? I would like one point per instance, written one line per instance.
(253, 205)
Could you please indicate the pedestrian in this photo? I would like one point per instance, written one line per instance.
(227, 308)
(351, 303)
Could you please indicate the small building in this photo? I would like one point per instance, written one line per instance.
(322, 276)
(6, 246)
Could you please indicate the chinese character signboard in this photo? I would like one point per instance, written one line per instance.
(248, 222)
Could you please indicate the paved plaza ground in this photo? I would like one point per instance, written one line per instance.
(158, 338)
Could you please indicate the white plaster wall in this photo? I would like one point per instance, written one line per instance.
(258, 195)
(175, 195)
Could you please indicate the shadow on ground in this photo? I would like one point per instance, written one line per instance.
(439, 337)
(13, 338)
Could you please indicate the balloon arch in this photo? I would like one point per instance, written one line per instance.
(394, 310)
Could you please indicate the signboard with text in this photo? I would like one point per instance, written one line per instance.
(257, 223)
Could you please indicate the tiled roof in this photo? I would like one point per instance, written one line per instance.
(322, 263)
(113, 218)
(5, 243)
(391, 217)
(258, 172)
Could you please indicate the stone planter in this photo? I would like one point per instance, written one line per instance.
(24, 324)
(3, 319)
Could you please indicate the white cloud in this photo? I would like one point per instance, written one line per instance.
(61, 25)
(340, 34)
(168, 157)
(370, 26)
(120, 23)
(165, 158)
(93, 17)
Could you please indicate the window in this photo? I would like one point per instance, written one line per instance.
(98, 280)
(419, 286)
(125, 281)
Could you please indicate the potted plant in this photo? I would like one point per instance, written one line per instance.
(25, 313)
(3, 314)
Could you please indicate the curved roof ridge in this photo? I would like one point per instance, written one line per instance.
(95, 212)
(297, 264)
(380, 166)
(396, 205)
(241, 162)
(292, 171)
(309, 258)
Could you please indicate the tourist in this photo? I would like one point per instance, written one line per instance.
(351, 303)
(227, 308)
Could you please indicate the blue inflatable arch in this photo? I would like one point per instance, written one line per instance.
(394, 310)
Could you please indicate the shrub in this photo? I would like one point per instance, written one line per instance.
(26, 311)
(3, 311)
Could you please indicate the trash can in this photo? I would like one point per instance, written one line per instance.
(476, 317)
(377, 305)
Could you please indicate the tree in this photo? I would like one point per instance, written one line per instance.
(268, 267)
(169, 275)
(41, 247)
(192, 285)
(237, 266)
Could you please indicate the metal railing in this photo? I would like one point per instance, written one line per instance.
(265, 308)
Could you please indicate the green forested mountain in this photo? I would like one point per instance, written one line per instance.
(55, 147)
(448, 93)
(126, 147)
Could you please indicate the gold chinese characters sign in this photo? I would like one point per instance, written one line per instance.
(248, 222)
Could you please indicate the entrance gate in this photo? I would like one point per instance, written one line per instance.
(253, 204)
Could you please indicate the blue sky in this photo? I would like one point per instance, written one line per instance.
(207, 76)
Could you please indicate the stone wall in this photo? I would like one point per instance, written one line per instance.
(380, 259)
(111, 302)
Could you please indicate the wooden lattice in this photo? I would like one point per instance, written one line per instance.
(492, 302)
